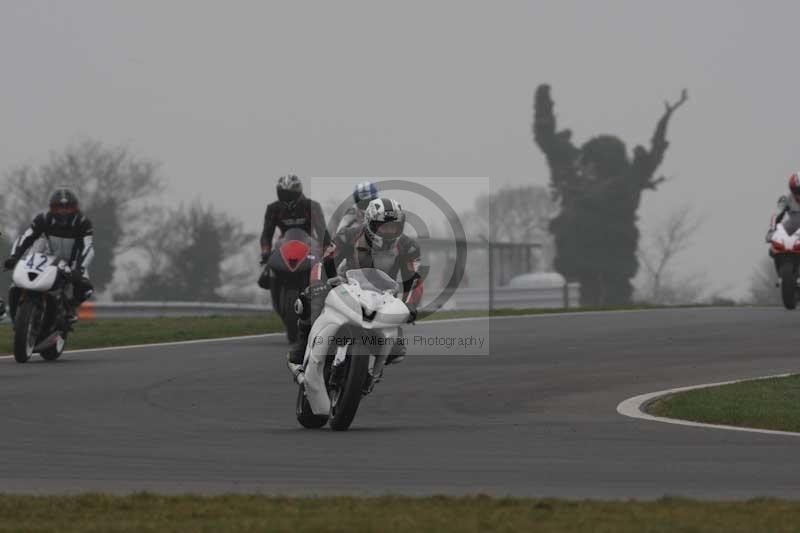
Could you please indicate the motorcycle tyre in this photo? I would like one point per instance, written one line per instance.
(788, 284)
(23, 326)
(344, 410)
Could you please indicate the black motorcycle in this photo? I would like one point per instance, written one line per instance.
(289, 269)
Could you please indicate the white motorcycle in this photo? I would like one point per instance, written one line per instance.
(39, 306)
(347, 348)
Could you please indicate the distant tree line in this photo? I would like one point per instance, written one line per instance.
(176, 253)
(587, 219)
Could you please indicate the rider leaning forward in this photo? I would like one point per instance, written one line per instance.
(292, 210)
(377, 243)
(69, 236)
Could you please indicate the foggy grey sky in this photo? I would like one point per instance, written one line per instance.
(229, 95)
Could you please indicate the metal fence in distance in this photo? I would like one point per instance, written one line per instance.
(463, 299)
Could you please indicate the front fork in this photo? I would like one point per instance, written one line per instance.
(17, 296)
(376, 364)
(13, 301)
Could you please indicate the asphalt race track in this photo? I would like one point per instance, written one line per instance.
(537, 417)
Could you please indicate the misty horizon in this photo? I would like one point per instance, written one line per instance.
(229, 97)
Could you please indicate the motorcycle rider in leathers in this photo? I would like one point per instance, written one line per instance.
(363, 194)
(70, 236)
(788, 212)
(378, 243)
(292, 210)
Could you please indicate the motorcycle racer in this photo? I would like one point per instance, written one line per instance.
(292, 210)
(69, 236)
(377, 243)
(788, 209)
(363, 194)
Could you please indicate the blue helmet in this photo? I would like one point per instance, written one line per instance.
(364, 193)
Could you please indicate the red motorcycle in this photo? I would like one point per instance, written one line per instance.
(293, 257)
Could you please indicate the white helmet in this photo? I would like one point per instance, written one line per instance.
(384, 221)
(289, 189)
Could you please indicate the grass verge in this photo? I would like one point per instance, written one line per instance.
(763, 403)
(150, 512)
(130, 331)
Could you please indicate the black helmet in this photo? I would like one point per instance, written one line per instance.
(64, 206)
(289, 189)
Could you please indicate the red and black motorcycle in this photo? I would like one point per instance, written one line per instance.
(290, 264)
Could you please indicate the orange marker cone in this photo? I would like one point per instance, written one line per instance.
(86, 311)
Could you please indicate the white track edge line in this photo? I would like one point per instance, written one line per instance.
(633, 407)
(164, 344)
(463, 319)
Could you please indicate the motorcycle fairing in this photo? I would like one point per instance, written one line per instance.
(343, 307)
(36, 273)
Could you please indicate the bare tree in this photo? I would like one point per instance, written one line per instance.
(510, 215)
(667, 242)
(194, 253)
(114, 188)
(513, 214)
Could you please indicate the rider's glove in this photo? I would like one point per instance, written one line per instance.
(264, 258)
(264, 279)
(335, 281)
(316, 289)
(10, 263)
(412, 313)
(77, 275)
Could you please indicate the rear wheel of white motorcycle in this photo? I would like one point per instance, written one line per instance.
(788, 284)
(345, 401)
(305, 415)
(288, 297)
(25, 331)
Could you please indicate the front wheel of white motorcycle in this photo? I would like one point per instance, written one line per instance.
(788, 284)
(345, 401)
(25, 331)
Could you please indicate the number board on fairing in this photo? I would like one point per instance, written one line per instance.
(37, 262)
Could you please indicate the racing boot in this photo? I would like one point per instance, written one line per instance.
(398, 352)
(298, 350)
(73, 307)
(397, 355)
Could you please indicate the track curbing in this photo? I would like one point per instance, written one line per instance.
(634, 407)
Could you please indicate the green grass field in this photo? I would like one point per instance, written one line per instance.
(131, 331)
(149, 512)
(125, 332)
(764, 403)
